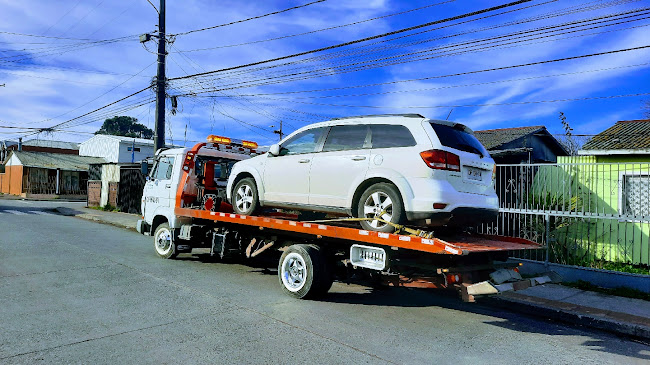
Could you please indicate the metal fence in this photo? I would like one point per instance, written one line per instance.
(588, 214)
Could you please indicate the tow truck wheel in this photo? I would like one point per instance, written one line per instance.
(304, 272)
(381, 201)
(245, 197)
(163, 243)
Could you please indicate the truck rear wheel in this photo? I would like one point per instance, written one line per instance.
(163, 242)
(304, 272)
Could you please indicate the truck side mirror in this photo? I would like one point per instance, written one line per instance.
(144, 168)
(223, 171)
(274, 150)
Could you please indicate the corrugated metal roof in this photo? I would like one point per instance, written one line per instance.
(493, 138)
(61, 161)
(52, 144)
(624, 135)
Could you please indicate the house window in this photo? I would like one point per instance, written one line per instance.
(635, 194)
(134, 149)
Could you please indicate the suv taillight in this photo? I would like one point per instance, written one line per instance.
(441, 160)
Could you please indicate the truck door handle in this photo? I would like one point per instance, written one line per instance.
(168, 185)
(305, 160)
(358, 158)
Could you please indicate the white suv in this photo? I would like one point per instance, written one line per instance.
(392, 167)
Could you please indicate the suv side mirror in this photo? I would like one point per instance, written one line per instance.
(144, 168)
(274, 150)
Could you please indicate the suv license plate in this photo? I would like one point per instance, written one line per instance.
(474, 174)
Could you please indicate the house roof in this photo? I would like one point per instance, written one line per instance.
(52, 144)
(61, 161)
(493, 138)
(624, 137)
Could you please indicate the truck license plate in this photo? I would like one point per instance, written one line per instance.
(474, 174)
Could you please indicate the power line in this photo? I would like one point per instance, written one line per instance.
(319, 30)
(252, 18)
(359, 40)
(470, 72)
(476, 105)
(328, 70)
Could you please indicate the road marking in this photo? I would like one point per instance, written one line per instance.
(15, 212)
(39, 212)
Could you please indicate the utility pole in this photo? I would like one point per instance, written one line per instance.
(161, 81)
(278, 131)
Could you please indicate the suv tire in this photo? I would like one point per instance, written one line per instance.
(381, 200)
(244, 197)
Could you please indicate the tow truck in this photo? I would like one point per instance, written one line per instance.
(184, 207)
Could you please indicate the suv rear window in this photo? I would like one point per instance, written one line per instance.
(389, 135)
(458, 139)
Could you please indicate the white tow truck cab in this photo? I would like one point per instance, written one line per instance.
(205, 186)
(184, 207)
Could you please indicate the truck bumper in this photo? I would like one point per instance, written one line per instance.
(142, 227)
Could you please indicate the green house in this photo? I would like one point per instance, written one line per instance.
(602, 197)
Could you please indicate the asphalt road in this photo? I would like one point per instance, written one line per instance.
(74, 291)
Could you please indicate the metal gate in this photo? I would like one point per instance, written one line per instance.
(130, 190)
(587, 214)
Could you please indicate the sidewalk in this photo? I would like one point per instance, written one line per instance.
(119, 219)
(624, 316)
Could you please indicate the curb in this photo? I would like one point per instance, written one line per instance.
(614, 322)
(92, 217)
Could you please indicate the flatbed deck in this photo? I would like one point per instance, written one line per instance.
(457, 245)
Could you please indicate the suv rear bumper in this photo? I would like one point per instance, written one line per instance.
(462, 216)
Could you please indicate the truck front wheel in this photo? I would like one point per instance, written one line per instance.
(304, 272)
(163, 242)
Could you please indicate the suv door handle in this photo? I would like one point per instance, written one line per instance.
(304, 160)
(358, 158)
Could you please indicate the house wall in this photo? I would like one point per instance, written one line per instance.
(114, 150)
(12, 180)
(125, 155)
(541, 152)
(594, 184)
(101, 146)
(110, 173)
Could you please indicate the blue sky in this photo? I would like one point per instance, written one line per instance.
(52, 80)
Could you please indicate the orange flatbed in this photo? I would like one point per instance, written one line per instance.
(458, 245)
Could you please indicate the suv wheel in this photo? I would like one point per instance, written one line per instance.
(245, 197)
(380, 201)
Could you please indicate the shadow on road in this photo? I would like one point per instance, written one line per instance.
(410, 298)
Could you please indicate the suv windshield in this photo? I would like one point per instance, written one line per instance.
(458, 139)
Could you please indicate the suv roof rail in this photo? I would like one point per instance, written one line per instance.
(411, 115)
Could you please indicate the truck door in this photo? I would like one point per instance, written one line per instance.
(158, 191)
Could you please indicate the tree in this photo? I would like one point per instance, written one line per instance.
(570, 142)
(125, 126)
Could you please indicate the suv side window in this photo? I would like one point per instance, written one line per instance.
(164, 169)
(390, 135)
(303, 142)
(346, 137)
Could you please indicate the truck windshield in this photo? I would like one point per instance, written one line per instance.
(459, 139)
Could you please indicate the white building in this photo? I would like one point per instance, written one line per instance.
(117, 149)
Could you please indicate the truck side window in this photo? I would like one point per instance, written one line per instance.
(164, 168)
